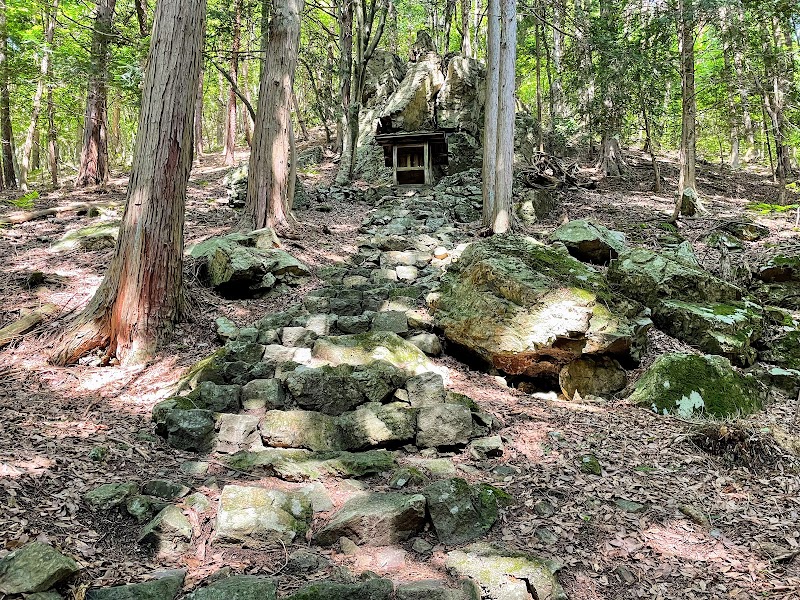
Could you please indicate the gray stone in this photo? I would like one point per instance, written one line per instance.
(354, 324)
(434, 590)
(165, 588)
(298, 337)
(199, 502)
(306, 561)
(428, 343)
(406, 272)
(300, 429)
(35, 567)
(302, 465)
(393, 321)
(506, 574)
(459, 104)
(590, 465)
(321, 324)
(462, 513)
(377, 424)
(190, 429)
(443, 425)
(249, 352)
(194, 468)
(170, 532)
(263, 393)
(378, 380)
(488, 447)
(326, 389)
(421, 546)
(164, 489)
(372, 589)
(142, 508)
(590, 241)
(110, 495)
(237, 432)
(253, 515)
(376, 519)
(237, 587)
(426, 389)
(368, 347)
(226, 329)
(216, 398)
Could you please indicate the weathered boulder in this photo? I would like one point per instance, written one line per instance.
(443, 425)
(302, 465)
(164, 489)
(592, 376)
(164, 588)
(785, 295)
(783, 349)
(506, 574)
(530, 309)
(728, 329)
(301, 429)
(375, 519)
(691, 385)
(650, 277)
(411, 107)
(101, 236)
(465, 152)
(371, 589)
(326, 389)
(263, 393)
(237, 432)
(589, 241)
(365, 348)
(35, 567)
(237, 587)
(462, 513)
(459, 104)
(426, 389)
(779, 268)
(241, 266)
(253, 515)
(217, 398)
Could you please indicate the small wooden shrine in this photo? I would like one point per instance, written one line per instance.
(414, 156)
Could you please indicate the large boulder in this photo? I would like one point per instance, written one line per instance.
(589, 241)
(691, 385)
(256, 515)
(526, 308)
(246, 265)
(592, 376)
(506, 574)
(301, 429)
(459, 104)
(649, 277)
(35, 567)
(384, 73)
(377, 424)
(411, 107)
(728, 329)
(376, 520)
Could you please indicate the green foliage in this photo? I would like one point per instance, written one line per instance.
(766, 209)
(25, 201)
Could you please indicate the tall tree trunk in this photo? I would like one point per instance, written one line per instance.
(230, 114)
(687, 180)
(466, 28)
(248, 120)
(449, 11)
(198, 118)
(557, 91)
(502, 214)
(36, 108)
(141, 16)
(52, 133)
(6, 132)
(345, 17)
(94, 169)
(269, 184)
(141, 295)
(298, 115)
(491, 103)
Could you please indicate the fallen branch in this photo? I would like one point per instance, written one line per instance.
(11, 332)
(16, 218)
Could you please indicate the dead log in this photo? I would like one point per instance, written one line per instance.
(18, 217)
(18, 328)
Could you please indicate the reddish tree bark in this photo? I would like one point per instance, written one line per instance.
(141, 295)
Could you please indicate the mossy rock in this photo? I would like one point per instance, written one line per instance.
(649, 277)
(529, 309)
(783, 349)
(164, 588)
(726, 329)
(589, 241)
(35, 567)
(94, 237)
(504, 573)
(301, 429)
(689, 385)
(372, 589)
(210, 368)
(256, 514)
(237, 587)
(366, 348)
(110, 495)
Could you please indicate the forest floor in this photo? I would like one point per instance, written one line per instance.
(67, 430)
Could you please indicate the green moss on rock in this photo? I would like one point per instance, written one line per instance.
(690, 385)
